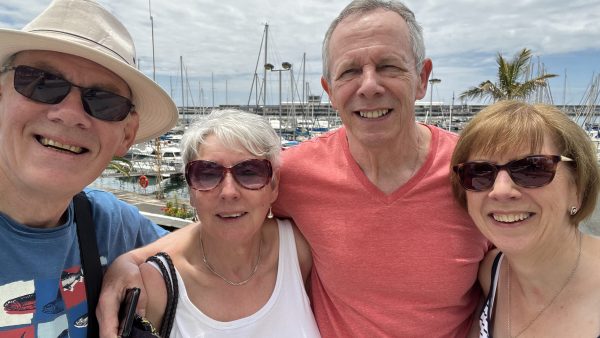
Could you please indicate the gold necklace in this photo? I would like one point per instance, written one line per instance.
(571, 274)
(225, 279)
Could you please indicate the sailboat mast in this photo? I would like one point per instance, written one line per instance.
(450, 117)
(159, 191)
(182, 90)
(265, 69)
(200, 98)
(303, 99)
(565, 91)
(152, 28)
(303, 77)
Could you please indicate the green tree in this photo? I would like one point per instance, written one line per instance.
(121, 165)
(513, 80)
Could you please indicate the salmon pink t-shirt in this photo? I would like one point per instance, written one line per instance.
(385, 265)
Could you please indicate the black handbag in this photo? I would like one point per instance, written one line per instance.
(92, 271)
(90, 259)
(142, 328)
(170, 278)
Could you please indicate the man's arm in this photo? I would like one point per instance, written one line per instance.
(124, 273)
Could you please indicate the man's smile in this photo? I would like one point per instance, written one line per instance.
(59, 146)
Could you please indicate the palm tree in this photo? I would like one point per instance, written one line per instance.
(121, 165)
(508, 86)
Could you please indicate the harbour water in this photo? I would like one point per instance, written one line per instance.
(174, 187)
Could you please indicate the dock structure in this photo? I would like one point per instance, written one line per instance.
(295, 120)
(135, 173)
(150, 207)
(149, 168)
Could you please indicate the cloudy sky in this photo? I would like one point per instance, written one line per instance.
(219, 42)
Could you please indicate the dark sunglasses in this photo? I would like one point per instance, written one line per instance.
(44, 87)
(529, 172)
(206, 175)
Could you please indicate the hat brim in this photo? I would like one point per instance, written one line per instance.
(157, 112)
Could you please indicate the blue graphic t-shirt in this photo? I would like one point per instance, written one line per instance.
(42, 288)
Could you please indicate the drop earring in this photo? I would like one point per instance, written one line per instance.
(270, 214)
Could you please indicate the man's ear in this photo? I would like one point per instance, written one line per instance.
(327, 89)
(424, 79)
(130, 129)
(275, 186)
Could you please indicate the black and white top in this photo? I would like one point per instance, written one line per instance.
(486, 319)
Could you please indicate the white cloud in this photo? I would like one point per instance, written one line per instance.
(223, 37)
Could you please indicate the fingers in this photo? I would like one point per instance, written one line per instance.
(122, 274)
(107, 312)
(142, 302)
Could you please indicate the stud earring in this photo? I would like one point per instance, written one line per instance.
(573, 210)
(270, 214)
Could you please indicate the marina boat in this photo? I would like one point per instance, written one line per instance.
(171, 158)
(145, 160)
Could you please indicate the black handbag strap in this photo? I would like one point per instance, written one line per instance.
(170, 278)
(90, 259)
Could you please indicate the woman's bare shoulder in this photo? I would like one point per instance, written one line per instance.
(156, 293)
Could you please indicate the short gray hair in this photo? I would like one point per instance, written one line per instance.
(5, 64)
(9, 60)
(234, 128)
(362, 7)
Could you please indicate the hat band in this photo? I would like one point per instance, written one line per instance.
(83, 38)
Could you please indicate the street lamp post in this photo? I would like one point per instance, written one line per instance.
(285, 66)
(159, 191)
(432, 81)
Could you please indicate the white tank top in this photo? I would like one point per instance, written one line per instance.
(287, 313)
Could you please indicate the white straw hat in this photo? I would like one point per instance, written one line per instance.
(85, 29)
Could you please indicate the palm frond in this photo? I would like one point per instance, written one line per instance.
(512, 81)
(121, 165)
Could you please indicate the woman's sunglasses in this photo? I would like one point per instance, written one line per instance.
(206, 175)
(44, 87)
(529, 172)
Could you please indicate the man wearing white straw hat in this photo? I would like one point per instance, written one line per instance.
(70, 99)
